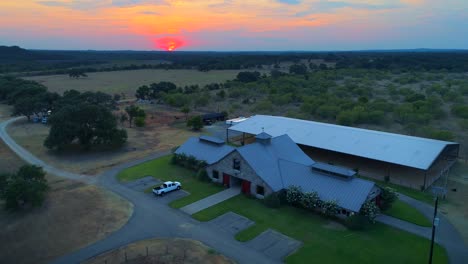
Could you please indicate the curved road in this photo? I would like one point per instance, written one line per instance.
(151, 218)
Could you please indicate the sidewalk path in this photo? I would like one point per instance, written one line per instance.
(211, 200)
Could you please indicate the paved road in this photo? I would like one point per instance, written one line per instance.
(151, 218)
(31, 159)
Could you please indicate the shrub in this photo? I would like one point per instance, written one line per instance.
(310, 200)
(294, 195)
(388, 197)
(273, 200)
(387, 178)
(329, 208)
(202, 175)
(370, 210)
(140, 121)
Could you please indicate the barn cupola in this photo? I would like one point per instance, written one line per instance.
(263, 138)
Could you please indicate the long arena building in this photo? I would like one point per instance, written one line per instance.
(404, 160)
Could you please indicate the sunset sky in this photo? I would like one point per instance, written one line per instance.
(234, 25)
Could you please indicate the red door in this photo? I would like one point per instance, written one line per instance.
(226, 179)
(245, 187)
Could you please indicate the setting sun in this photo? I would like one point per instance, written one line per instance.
(169, 43)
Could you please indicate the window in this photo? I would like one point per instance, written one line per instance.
(215, 174)
(260, 190)
(236, 164)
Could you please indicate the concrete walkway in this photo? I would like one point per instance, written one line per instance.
(211, 200)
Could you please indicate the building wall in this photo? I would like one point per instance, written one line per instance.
(245, 173)
(401, 175)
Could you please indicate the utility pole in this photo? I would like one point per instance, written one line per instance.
(435, 222)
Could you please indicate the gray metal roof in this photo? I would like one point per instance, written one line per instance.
(212, 139)
(404, 150)
(202, 149)
(263, 158)
(349, 194)
(333, 169)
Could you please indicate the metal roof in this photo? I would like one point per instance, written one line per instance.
(204, 150)
(404, 150)
(341, 171)
(214, 140)
(263, 158)
(349, 194)
(281, 163)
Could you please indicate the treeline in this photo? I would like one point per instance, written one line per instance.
(85, 118)
(15, 59)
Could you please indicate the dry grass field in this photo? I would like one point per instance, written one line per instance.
(162, 251)
(73, 216)
(5, 112)
(128, 81)
(157, 135)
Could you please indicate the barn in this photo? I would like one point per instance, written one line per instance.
(404, 160)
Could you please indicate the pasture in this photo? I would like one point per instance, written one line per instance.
(127, 82)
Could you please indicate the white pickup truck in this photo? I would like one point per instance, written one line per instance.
(166, 187)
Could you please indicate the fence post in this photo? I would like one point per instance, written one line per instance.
(125, 256)
(147, 251)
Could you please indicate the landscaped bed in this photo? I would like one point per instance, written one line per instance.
(325, 240)
(406, 212)
(163, 170)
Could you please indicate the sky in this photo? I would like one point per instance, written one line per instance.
(234, 25)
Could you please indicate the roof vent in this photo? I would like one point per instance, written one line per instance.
(212, 140)
(263, 138)
(333, 170)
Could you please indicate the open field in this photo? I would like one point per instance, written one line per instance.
(157, 135)
(9, 162)
(162, 251)
(128, 81)
(161, 169)
(74, 215)
(325, 240)
(5, 112)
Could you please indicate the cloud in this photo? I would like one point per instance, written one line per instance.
(95, 4)
(150, 13)
(290, 2)
(325, 6)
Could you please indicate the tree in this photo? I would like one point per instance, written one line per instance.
(196, 123)
(142, 92)
(140, 121)
(299, 69)
(388, 196)
(77, 73)
(27, 186)
(134, 111)
(247, 77)
(186, 111)
(85, 124)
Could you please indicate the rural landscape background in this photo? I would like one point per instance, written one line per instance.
(415, 92)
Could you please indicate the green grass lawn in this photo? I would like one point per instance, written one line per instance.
(423, 196)
(162, 169)
(324, 242)
(404, 211)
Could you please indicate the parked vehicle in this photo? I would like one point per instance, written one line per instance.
(166, 187)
